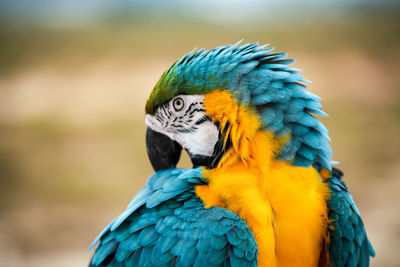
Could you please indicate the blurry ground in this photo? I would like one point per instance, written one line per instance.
(72, 150)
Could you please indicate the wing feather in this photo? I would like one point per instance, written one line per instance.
(348, 242)
(175, 229)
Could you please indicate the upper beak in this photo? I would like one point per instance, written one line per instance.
(164, 153)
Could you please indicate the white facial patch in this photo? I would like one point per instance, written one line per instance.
(183, 119)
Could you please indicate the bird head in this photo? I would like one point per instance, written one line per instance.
(214, 102)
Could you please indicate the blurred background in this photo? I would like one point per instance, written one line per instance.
(75, 75)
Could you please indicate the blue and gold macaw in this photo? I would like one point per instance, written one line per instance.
(262, 190)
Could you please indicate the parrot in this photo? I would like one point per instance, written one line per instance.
(262, 191)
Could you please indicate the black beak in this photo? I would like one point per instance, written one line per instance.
(164, 153)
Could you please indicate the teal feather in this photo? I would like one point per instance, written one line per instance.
(216, 256)
(123, 252)
(132, 261)
(238, 262)
(203, 245)
(219, 242)
(201, 260)
(188, 258)
(283, 131)
(148, 236)
(348, 243)
(302, 161)
(104, 251)
(165, 243)
(307, 152)
(174, 230)
(145, 257)
(233, 238)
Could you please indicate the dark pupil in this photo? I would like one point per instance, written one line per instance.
(178, 103)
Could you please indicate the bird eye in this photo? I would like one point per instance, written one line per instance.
(178, 104)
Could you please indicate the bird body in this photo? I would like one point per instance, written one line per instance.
(262, 190)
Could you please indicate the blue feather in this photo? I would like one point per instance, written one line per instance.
(261, 79)
(104, 251)
(302, 161)
(148, 236)
(349, 245)
(295, 106)
(178, 230)
(201, 260)
(203, 245)
(239, 262)
(182, 246)
(218, 242)
(313, 139)
(134, 259)
(165, 243)
(307, 152)
(145, 257)
(233, 238)
(308, 120)
(188, 258)
(134, 243)
(216, 256)
(123, 252)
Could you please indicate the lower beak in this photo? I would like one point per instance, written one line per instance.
(164, 153)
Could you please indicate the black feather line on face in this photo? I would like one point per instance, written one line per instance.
(179, 123)
(202, 120)
(190, 107)
(196, 110)
(187, 130)
(220, 147)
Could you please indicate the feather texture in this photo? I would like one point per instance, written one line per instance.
(348, 243)
(162, 228)
(258, 78)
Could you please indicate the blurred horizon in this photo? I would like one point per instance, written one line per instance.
(75, 75)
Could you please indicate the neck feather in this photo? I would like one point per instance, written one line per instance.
(240, 127)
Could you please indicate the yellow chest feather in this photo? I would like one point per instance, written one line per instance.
(285, 209)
